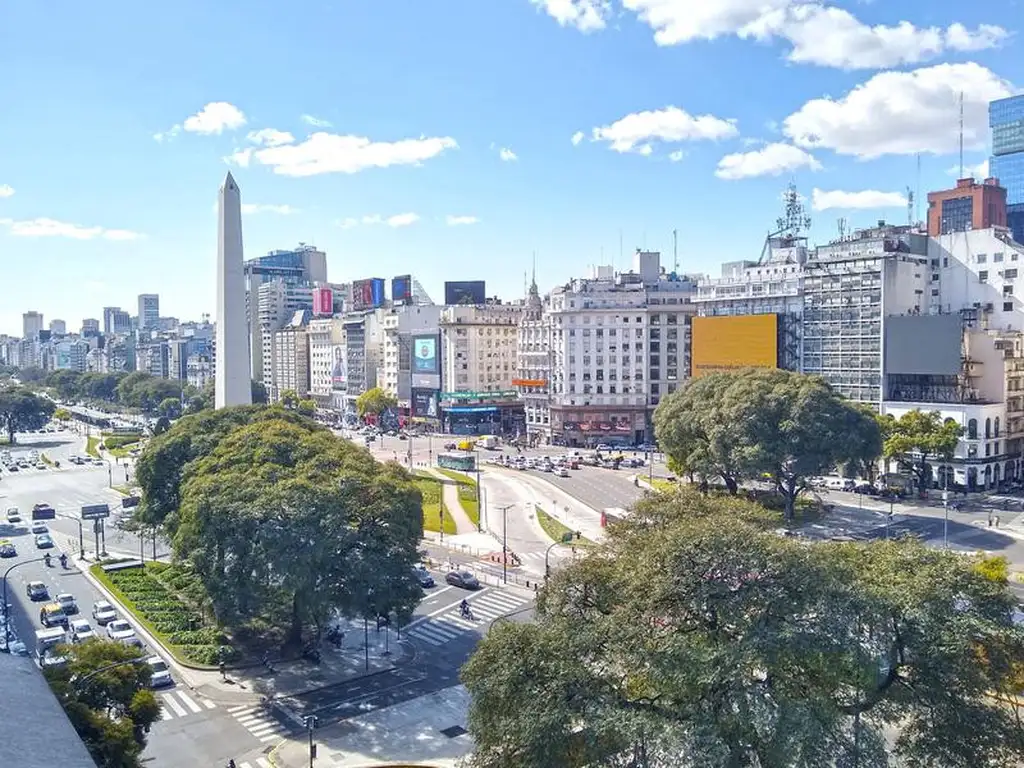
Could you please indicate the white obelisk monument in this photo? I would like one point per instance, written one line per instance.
(231, 385)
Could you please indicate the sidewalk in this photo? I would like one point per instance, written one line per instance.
(410, 733)
(450, 491)
(361, 654)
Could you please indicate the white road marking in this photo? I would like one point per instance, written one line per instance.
(173, 704)
(232, 710)
(208, 704)
(188, 702)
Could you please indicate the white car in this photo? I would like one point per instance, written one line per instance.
(81, 630)
(103, 613)
(562, 472)
(67, 603)
(38, 528)
(160, 674)
(121, 631)
(13, 515)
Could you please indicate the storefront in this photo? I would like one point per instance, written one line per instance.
(590, 427)
(483, 413)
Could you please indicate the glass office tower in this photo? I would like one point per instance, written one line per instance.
(1006, 119)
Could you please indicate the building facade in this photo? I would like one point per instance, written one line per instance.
(31, 325)
(278, 301)
(969, 205)
(149, 311)
(116, 321)
(290, 357)
(533, 361)
(1006, 119)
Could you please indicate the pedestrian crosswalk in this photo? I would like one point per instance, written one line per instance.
(257, 721)
(485, 606)
(261, 762)
(179, 704)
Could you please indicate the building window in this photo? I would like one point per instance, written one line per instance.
(1007, 290)
(995, 430)
(988, 428)
(983, 275)
(972, 429)
(997, 256)
(1007, 306)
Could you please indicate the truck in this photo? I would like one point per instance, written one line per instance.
(490, 442)
(46, 642)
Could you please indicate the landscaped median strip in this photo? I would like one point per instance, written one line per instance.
(557, 531)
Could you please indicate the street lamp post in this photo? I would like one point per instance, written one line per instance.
(7, 613)
(81, 533)
(310, 722)
(888, 520)
(945, 509)
(479, 521)
(504, 541)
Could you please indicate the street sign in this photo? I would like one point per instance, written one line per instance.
(95, 511)
(567, 538)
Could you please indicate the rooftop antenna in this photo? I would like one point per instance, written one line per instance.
(917, 196)
(675, 251)
(841, 225)
(961, 134)
(794, 219)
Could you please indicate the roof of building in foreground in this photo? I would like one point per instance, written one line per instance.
(35, 727)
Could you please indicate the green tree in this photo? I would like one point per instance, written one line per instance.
(162, 425)
(764, 423)
(374, 402)
(169, 407)
(65, 383)
(284, 513)
(22, 410)
(32, 375)
(62, 415)
(100, 386)
(104, 688)
(259, 393)
(918, 437)
(307, 407)
(289, 399)
(696, 637)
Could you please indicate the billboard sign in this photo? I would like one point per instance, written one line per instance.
(339, 367)
(465, 292)
(401, 289)
(424, 403)
(323, 301)
(362, 294)
(95, 511)
(731, 342)
(377, 292)
(424, 354)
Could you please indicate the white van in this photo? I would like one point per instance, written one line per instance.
(835, 483)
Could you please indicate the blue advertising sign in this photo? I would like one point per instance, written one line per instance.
(424, 354)
(377, 291)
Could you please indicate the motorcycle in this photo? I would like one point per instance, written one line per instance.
(311, 653)
(335, 637)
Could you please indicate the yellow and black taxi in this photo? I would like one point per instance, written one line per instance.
(53, 615)
(7, 548)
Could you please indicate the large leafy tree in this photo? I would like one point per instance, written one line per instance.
(374, 402)
(65, 383)
(283, 511)
(104, 688)
(764, 423)
(918, 437)
(696, 637)
(20, 410)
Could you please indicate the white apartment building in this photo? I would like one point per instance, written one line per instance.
(364, 341)
(533, 357)
(290, 357)
(326, 338)
(479, 347)
(620, 342)
(199, 370)
(96, 361)
(277, 303)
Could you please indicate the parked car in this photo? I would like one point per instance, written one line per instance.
(36, 590)
(122, 632)
(160, 673)
(463, 579)
(103, 613)
(423, 576)
(81, 630)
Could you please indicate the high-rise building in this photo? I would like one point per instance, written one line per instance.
(290, 353)
(1006, 119)
(90, 326)
(967, 206)
(276, 303)
(116, 321)
(31, 325)
(231, 380)
(149, 311)
(58, 328)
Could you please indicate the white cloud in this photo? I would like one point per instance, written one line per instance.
(215, 118)
(676, 156)
(397, 220)
(44, 227)
(902, 113)
(817, 33)
(635, 132)
(507, 155)
(822, 200)
(457, 221)
(332, 153)
(167, 135)
(270, 137)
(584, 15)
(6, 190)
(316, 122)
(770, 160)
(577, 137)
(977, 171)
(240, 157)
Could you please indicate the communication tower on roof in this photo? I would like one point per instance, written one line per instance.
(790, 227)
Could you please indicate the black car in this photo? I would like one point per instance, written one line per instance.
(423, 576)
(463, 579)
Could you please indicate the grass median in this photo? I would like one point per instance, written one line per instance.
(556, 530)
(92, 447)
(467, 494)
(433, 504)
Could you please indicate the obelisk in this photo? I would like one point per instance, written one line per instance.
(231, 382)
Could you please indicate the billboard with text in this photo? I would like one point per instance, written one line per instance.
(425, 354)
(731, 342)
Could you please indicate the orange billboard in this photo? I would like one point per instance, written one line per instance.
(727, 343)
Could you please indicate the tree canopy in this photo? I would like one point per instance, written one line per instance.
(274, 512)
(763, 423)
(21, 410)
(374, 402)
(112, 709)
(916, 438)
(696, 637)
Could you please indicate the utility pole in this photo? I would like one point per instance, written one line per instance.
(310, 722)
(675, 250)
(504, 541)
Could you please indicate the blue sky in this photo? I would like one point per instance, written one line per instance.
(375, 129)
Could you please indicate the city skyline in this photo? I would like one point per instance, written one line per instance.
(450, 171)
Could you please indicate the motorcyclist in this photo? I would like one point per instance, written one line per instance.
(63, 560)
(46, 559)
(464, 607)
